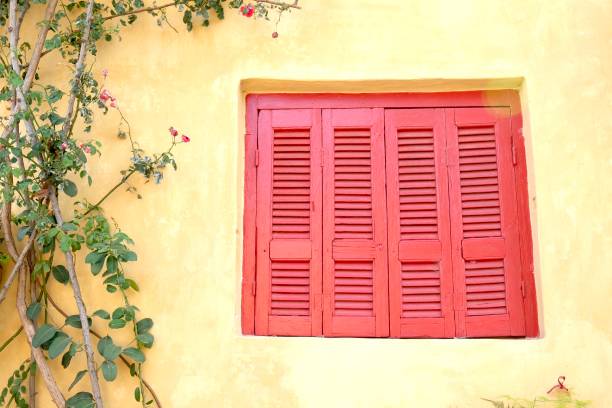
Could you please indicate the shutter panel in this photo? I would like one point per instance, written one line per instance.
(354, 224)
(289, 223)
(420, 266)
(486, 258)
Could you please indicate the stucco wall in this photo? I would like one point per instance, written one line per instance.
(188, 230)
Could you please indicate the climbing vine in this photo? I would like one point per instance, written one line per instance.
(46, 147)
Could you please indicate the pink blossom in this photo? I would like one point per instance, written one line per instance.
(173, 131)
(275, 34)
(247, 10)
(185, 139)
(105, 95)
(87, 149)
(64, 146)
(113, 103)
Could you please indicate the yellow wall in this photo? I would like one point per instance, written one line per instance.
(188, 230)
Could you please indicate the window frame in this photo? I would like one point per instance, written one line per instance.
(498, 98)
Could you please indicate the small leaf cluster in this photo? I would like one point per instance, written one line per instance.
(15, 389)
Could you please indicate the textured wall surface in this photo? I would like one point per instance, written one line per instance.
(188, 230)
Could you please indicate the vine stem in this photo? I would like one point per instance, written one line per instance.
(10, 339)
(124, 179)
(78, 297)
(163, 6)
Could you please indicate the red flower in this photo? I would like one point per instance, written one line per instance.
(247, 10)
(173, 131)
(275, 35)
(185, 139)
(105, 95)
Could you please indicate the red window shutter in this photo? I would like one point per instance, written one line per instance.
(288, 300)
(486, 257)
(420, 265)
(354, 224)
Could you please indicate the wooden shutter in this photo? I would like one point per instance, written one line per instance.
(420, 266)
(288, 298)
(354, 224)
(486, 257)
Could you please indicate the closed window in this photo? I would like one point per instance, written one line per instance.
(388, 220)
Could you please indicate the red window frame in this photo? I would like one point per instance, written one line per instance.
(486, 99)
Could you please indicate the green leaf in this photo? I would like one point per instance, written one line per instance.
(146, 339)
(15, 80)
(133, 285)
(144, 325)
(33, 310)
(137, 394)
(102, 314)
(69, 226)
(96, 260)
(108, 349)
(53, 42)
(129, 256)
(116, 324)
(134, 354)
(80, 400)
(77, 378)
(58, 345)
(60, 273)
(119, 313)
(70, 188)
(43, 334)
(109, 370)
(111, 264)
(75, 321)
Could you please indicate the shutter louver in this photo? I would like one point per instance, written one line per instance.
(487, 271)
(289, 223)
(420, 274)
(354, 226)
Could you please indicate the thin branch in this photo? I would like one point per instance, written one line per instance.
(78, 297)
(142, 10)
(99, 336)
(78, 71)
(280, 3)
(10, 339)
(41, 361)
(37, 51)
(17, 267)
(163, 6)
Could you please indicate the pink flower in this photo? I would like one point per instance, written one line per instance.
(64, 146)
(105, 95)
(247, 10)
(105, 72)
(87, 149)
(113, 103)
(185, 138)
(173, 131)
(275, 35)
